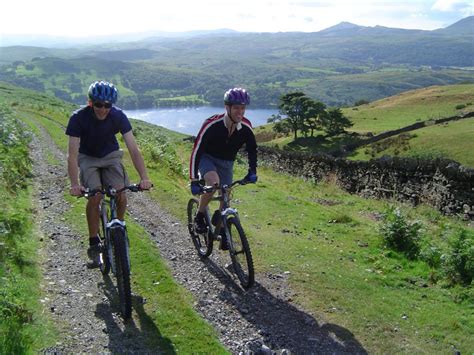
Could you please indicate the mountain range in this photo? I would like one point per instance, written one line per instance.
(338, 65)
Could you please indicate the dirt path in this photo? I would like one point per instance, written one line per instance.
(82, 302)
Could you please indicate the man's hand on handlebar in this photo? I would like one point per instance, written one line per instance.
(146, 184)
(196, 187)
(77, 190)
(251, 177)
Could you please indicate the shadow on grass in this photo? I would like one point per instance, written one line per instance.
(323, 144)
(142, 338)
(283, 325)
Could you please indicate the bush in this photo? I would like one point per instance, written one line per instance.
(14, 315)
(458, 262)
(361, 102)
(432, 255)
(159, 150)
(15, 162)
(399, 234)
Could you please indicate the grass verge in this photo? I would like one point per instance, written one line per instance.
(23, 326)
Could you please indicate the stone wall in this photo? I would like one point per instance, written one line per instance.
(443, 184)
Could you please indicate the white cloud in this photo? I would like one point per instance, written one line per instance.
(89, 18)
(465, 7)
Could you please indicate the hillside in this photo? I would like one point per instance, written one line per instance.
(319, 255)
(339, 65)
(451, 140)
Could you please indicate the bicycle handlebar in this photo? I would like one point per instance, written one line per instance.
(109, 191)
(212, 188)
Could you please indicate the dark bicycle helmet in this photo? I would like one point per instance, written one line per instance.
(236, 96)
(102, 91)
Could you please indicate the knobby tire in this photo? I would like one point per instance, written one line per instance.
(202, 241)
(122, 271)
(105, 240)
(240, 254)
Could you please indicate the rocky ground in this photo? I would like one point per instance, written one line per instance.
(82, 302)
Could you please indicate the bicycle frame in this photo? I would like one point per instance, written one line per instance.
(116, 255)
(228, 227)
(109, 202)
(230, 230)
(226, 210)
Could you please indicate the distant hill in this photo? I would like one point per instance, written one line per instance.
(339, 65)
(35, 40)
(347, 29)
(464, 27)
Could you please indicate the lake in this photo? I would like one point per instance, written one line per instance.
(188, 120)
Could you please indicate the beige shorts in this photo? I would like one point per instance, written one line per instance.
(103, 172)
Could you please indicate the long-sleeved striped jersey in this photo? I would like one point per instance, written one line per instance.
(213, 139)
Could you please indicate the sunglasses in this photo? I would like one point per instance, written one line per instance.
(102, 104)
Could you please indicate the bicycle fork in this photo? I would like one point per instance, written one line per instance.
(225, 230)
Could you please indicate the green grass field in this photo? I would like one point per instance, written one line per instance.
(450, 140)
(410, 107)
(430, 142)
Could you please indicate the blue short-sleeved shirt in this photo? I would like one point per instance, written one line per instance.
(97, 137)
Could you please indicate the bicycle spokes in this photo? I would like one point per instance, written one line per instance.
(202, 240)
(227, 224)
(240, 254)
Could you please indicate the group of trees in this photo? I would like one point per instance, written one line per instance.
(297, 112)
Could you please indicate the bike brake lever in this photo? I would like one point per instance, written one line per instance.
(85, 193)
(135, 188)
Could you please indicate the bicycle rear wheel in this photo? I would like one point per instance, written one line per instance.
(122, 270)
(240, 254)
(202, 241)
(104, 257)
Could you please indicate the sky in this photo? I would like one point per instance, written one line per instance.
(85, 18)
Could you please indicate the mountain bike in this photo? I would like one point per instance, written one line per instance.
(225, 227)
(114, 254)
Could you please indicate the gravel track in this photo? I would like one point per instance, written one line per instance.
(83, 303)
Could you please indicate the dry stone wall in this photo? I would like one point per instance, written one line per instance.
(443, 184)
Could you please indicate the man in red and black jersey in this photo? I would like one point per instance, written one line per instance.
(216, 146)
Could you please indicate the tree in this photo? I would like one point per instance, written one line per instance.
(299, 112)
(314, 111)
(334, 122)
(280, 125)
(293, 106)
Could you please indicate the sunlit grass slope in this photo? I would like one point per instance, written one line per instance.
(328, 244)
(451, 140)
(411, 106)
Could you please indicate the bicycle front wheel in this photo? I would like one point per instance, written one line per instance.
(202, 241)
(240, 254)
(104, 261)
(122, 270)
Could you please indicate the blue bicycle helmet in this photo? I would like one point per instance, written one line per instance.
(236, 96)
(103, 91)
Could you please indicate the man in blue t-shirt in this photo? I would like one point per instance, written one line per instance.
(94, 156)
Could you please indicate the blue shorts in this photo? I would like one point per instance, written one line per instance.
(224, 168)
